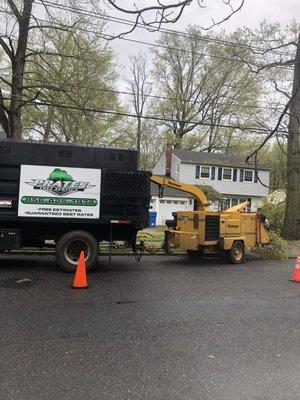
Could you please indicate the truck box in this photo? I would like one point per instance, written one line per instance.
(48, 190)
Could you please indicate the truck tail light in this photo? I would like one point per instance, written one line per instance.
(120, 221)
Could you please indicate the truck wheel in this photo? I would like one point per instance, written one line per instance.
(195, 253)
(237, 253)
(70, 245)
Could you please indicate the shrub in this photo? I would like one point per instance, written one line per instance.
(277, 249)
(275, 215)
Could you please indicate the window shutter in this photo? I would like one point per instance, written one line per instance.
(234, 174)
(213, 172)
(249, 205)
(220, 174)
(197, 174)
(241, 175)
(255, 176)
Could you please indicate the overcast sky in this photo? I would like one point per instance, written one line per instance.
(252, 13)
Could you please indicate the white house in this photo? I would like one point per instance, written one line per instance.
(228, 174)
(173, 200)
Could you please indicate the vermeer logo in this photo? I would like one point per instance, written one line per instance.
(59, 183)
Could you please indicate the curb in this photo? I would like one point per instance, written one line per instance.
(50, 253)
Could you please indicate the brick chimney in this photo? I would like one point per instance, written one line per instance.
(168, 153)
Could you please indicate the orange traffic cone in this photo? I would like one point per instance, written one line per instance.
(296, 274)
(80, 281)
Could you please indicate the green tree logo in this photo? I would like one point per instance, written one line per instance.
(60, 183)
(60, 175)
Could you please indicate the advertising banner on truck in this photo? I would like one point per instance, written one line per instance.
(59, 192)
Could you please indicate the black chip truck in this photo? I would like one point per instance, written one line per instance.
(74, 196)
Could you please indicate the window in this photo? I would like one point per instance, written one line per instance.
(231, 202)
(226, 204)
(203, 172)
(248, 176)
(227, 174)
(177, 169)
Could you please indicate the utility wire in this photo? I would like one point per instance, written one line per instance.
(109, 37)
(142, 42)
(127, 93)
(147, 117)
(174, 32)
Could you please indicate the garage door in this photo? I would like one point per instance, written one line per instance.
(167, 207)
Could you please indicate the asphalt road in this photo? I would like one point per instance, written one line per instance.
(166, 328)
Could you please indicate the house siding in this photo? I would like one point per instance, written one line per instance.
(232, 191)
(176, 166)
(256, 189)
(160, 166)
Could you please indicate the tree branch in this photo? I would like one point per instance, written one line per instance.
(274, 130)
(5, 47)
(15, 10)
(280, 90)
(166, 14)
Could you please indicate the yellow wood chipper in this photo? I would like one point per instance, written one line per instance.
(231, 231)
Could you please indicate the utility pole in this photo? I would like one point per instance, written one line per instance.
(291, 229)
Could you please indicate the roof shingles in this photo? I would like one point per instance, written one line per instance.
(215, 159)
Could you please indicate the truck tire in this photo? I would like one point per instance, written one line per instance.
(70, 245)
(195, 253)
(237, 253)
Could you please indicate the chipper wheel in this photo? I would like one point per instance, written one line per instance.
(70, 245)
(237, 253)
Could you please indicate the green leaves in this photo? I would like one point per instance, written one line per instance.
(71, 75)
(205, 86)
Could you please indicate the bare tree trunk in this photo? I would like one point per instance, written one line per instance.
(48, 126)
(227, 147)
(178, 137)
(3, 115)
(13, 124)
(291, 229)
(210, 138)
(140, 89)
(138, 139)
